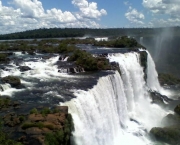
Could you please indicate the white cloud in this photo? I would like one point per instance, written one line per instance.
(134, 16)
(165, 12)
(88, 10)
(169, 7)
(23, 15)
(127, 3)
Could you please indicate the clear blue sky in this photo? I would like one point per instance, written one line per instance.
(20, 15)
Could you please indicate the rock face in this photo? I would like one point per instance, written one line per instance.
(12, 80)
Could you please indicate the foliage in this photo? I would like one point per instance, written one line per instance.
(3, 57)
(56, 138)
(38, 124)
(80, 32)
(4, 102)
(61, 137)
(45, 111)
(87, 61)
(34, 111)
(21, 118)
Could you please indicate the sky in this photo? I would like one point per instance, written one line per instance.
(22, 15)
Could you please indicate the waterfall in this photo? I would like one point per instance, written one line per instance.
(5, 87)
(152, 78)
(152, 75)
(116, 111)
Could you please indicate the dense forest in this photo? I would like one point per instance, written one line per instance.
(80, 32)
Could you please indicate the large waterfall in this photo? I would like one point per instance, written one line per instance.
(118, 110)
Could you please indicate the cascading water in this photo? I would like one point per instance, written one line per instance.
(116, 111)
(152, 76)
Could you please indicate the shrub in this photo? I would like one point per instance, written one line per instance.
(38, 124)
(45, 111)
(87, 61)
(3, 57)
(34, 111)
(21, 118)
(56, 138)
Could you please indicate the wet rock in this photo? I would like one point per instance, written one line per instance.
(157, 98)
(177, 109)
(63, 57)
(31, 53)
(170, 135)
(71, 70)
(46, 57)
(76, 69)
(171, 119)
(24, 68)
(12, 80)
(143, 61)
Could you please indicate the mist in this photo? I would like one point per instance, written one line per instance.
(164, 46)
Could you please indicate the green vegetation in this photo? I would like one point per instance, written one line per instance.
(38, 124)
(80, 32)
(4, 102)
(80, 58)
(88, 62)
(45, 111)
(34, 111)
(56, 138)
(61, 137)
(122, 42)
(3, 57)
(168, 79)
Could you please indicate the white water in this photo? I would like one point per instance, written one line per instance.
(44, 70)
(117, 111)
(152, 76)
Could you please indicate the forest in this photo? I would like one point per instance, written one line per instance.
(89, 32)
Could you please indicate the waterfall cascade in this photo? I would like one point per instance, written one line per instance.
(152, 76)
(118, 110)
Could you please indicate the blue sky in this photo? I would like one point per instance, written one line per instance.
(21, 15)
